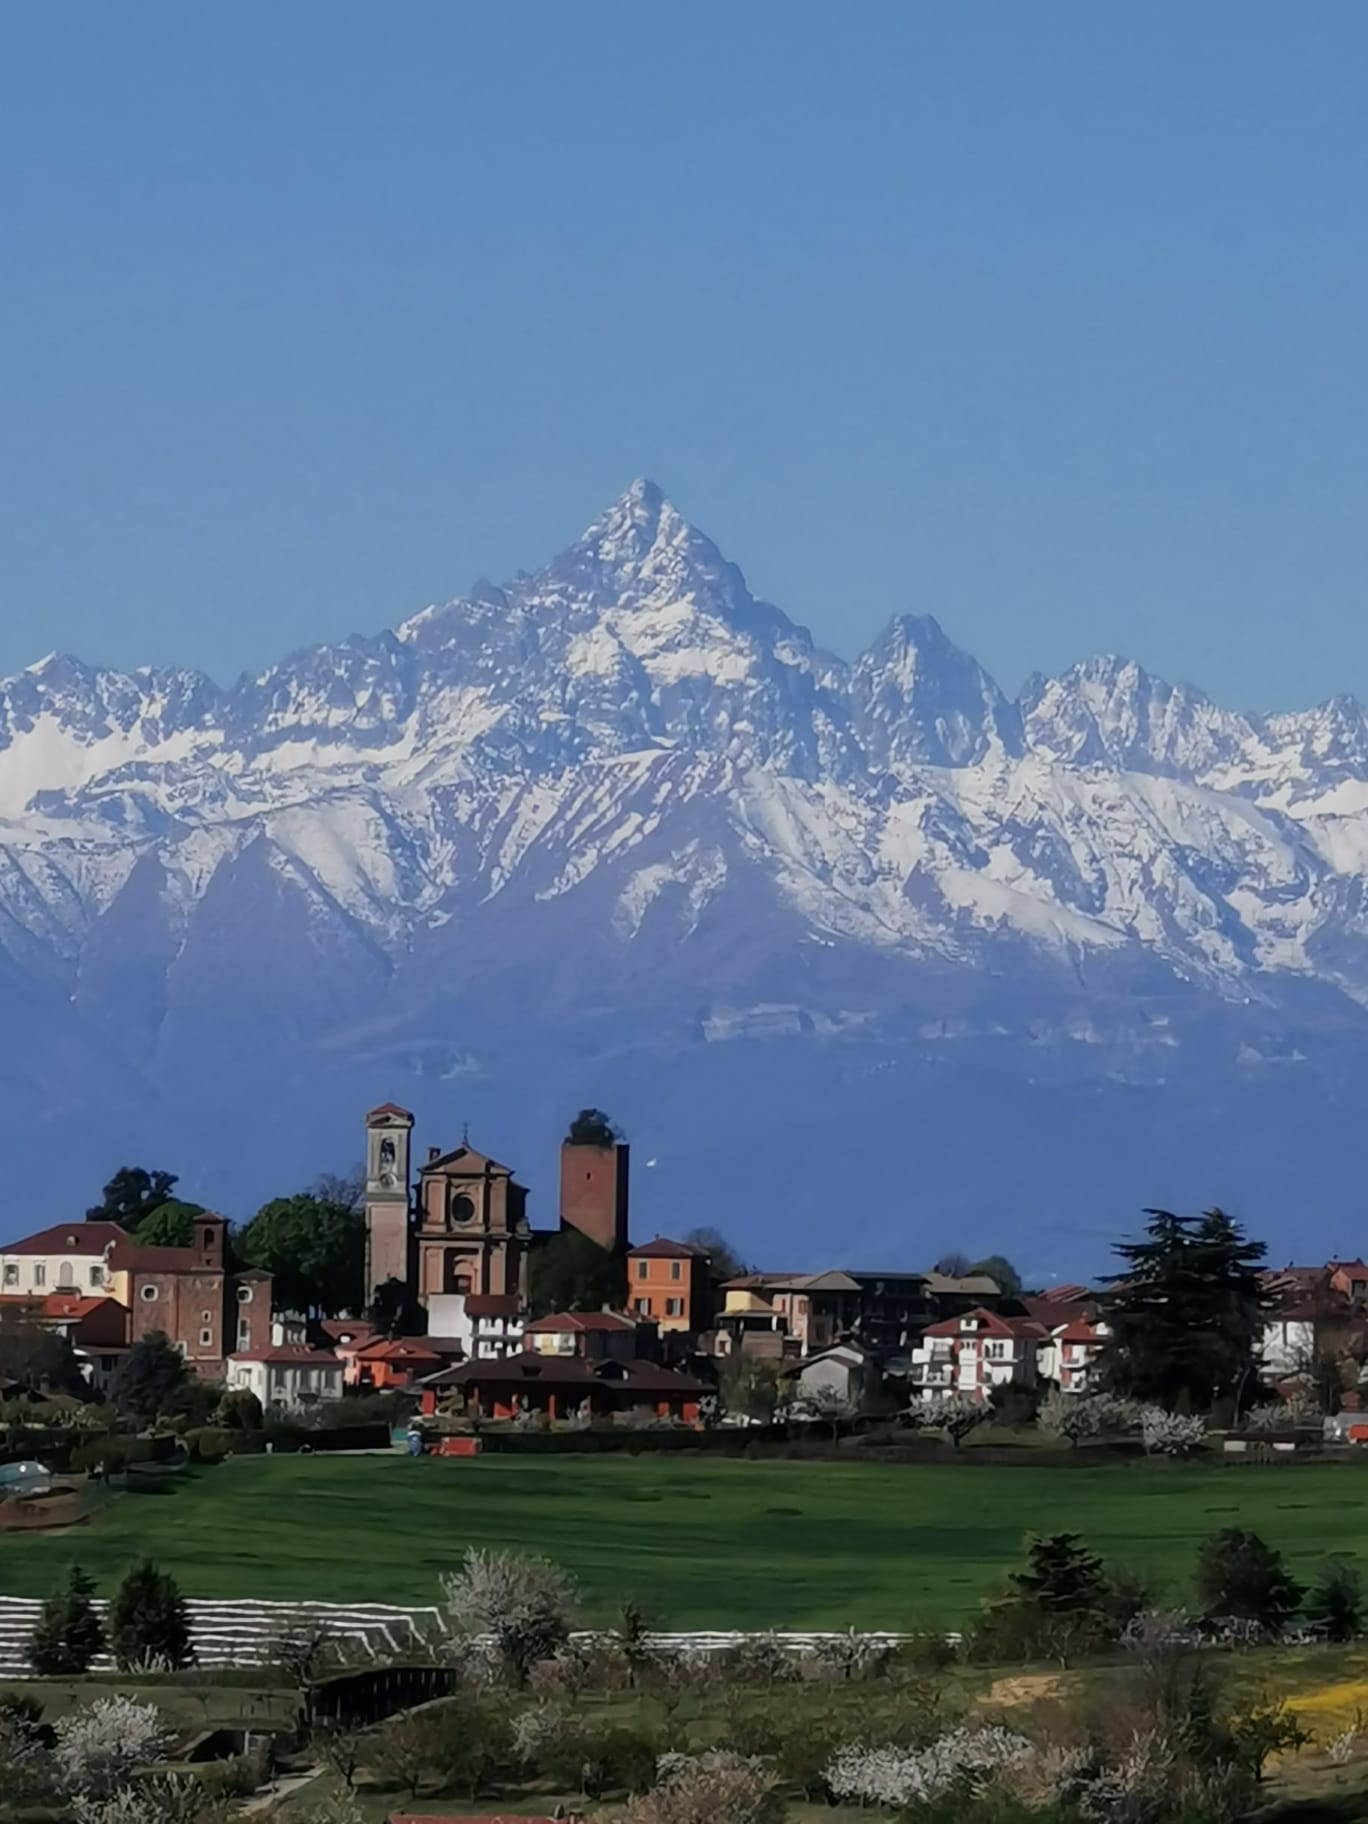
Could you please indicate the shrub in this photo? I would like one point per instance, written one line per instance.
(909, 1776)
(1241, 1578)
(1299, 1413)
(149, 1624)
(1171, 1434)
(708, 1789)
(68, 1634)
(1334, 1604)
(241, 1410)
(208, 1444)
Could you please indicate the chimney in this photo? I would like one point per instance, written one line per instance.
(434, 1152)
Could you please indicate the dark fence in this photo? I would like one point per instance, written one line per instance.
(357, 1699)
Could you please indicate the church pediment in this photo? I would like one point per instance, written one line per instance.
(465, 1162)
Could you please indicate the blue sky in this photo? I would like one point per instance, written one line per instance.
(1046, 319)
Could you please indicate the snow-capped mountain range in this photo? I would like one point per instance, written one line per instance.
(618, 828)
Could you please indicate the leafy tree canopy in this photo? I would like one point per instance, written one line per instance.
(170, 1225)
(1186, 1315)
(571, 1272)
(131, 1194)
(316, 1250)
(591, 1127)
(36, 1357)
(148, 1377)
(724, 1260)
(998, 1267)
(953, 1265)
(395, 1311)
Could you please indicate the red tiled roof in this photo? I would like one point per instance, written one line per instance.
(388, 1108)
(662, 1248)
(1065, 1295)
(1079, 1332)
(358, 1329)
(572, 1321)
(68, 1305)
(396, 1349)
(990, 1323)
(289, 1355)
(493, 1304)
(70, 1238)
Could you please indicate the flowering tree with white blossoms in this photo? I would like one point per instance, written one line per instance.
(1171, 1434)
(522, 1604)
(101, 1749)
(912, 1776)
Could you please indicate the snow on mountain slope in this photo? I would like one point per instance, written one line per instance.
(622, 782)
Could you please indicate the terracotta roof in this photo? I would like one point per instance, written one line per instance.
(359, 1329)
(572, 1321)
(1055, 1311)
(288, 1355)
(1065, 1295)
(397, 1349)
(493, 1304)
(662, 1248)
(530, 1368)
(990, 1323)
(388, 1108)
(75, 1307)
(756, 1282)
(70, 1238)
(130, 1257)
(1080, 1331)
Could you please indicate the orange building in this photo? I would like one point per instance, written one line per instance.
(385, 1364)
(670, 1283)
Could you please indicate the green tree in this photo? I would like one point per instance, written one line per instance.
(724, 1262)
(1062, 1577)
(750, 1386)
(149, 1624)
(571, 1272)
(34, 1356)
(240, 1410)
(591, 1127)
(1241, 1578)
(315, 1249)
(148, 1376)
(1186, 1315)
(1334, 1603)
(395, 1311)
(68, 1634)
(170, 1225)
(131, 1194)
(999, 1268)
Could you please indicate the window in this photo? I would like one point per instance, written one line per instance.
(148, 1294)
(206, 1339)
(244, 1295)
(643, 1269)
(11, 1272)
(642, 1307)
(97, 1275)
(676, 1269)
(674, 1307)
(206, 1317)
(244, 1331)
(39, 1274)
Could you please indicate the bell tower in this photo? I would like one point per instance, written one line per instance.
(389, 1130)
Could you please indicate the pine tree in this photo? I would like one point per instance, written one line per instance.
(1062, 1577)
(1186, 1316)
(148, 1620)
(1335, 1605)
(68, 1634)
(1241, 1578)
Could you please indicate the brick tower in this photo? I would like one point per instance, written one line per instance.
(389, 1130)
(593, 1190)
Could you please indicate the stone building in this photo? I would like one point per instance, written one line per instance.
(204, 1307)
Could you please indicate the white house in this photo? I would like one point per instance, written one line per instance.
(844, 1371)
(1068, 1356)
(974, 1354)
(69, 1257)
(487, 1325)
(287, 1375)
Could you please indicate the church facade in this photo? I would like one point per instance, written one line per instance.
(461, 1230)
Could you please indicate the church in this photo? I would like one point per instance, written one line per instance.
(462, 1228)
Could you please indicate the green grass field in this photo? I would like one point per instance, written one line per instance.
(699, 1543)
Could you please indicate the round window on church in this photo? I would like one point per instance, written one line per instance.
(462, 1208)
